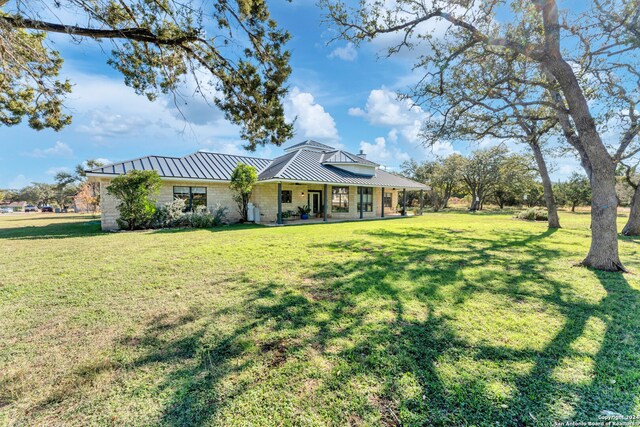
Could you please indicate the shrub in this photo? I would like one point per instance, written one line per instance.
(135, 190)
(170, 214)
(533, 214)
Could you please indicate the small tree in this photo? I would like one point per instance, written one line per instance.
(576, 191)
(135, 190)
(243, 178)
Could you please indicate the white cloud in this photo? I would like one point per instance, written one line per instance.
(381, 153)
(108, 111)
(59, 149)
(383, 108)
(346, 53)
(18, 182)
(105, 124)
(312, 121)
(56, 170)
(393, 135)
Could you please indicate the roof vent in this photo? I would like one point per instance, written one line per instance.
(362, 155)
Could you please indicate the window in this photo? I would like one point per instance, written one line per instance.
(192, 196)
(386, 201)
(339, 199)
(367, 199)
(286, 196)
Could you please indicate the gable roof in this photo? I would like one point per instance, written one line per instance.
(339, 156)
(311, 144)
(307, 166)
(300, 165)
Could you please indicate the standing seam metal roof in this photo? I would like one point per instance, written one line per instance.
(301, 165)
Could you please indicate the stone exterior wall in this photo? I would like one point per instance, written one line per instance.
(217, 194)
(264, 196)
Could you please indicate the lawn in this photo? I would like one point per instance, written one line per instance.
(448, 319)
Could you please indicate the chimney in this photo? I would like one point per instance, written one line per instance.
(361, 154)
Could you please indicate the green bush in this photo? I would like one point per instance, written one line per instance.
(533, 214)
(170, 214)
(135, 190)
(173, 215)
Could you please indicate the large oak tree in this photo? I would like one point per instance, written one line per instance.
(570, 50)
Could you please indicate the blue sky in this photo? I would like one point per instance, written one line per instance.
(342, 96)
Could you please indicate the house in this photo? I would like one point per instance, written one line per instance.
(332, 182)
(14, 206)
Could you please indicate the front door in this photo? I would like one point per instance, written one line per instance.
(315, 202)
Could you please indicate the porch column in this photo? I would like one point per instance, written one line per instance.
(361, 215)
(421, 201)
(279, 203)
(326, 202)
(404, 202)
(382, 204)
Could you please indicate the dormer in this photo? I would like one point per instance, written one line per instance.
(309, 145)
(353, 163)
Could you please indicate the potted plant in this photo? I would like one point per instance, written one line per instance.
(304, 211)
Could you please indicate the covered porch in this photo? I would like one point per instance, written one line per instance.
(330, 202)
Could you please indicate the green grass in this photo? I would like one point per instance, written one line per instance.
(449, 319)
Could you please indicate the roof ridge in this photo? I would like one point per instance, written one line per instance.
(225, 154)
(295, 154)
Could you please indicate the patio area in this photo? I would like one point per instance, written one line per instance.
(298, 221)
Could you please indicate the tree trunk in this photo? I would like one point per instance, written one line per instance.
(474, 203)
(573, 207)
(632, 228)
(603, 253)
(552, 209)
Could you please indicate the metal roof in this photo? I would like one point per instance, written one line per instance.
(199, 165)
(307, 166)
(339, 156)
(303, 165)
(310, 144)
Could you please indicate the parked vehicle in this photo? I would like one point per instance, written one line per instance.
(6, 210)
(46, 209)
(30, 208)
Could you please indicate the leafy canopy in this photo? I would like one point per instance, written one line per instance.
(156, 45)
(243, 179)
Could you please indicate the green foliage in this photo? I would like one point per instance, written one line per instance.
(517, 177)
(533, 214)
(135, 191)
(28, 85)
(38, 193)
(173, 215)
(169, 214)
(304, 210)
(234, 51)
(243, 178)
(575, 192)
(442, 175)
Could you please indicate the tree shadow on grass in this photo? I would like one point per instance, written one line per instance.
(388, 330)
(62, 230)
(392, 364)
